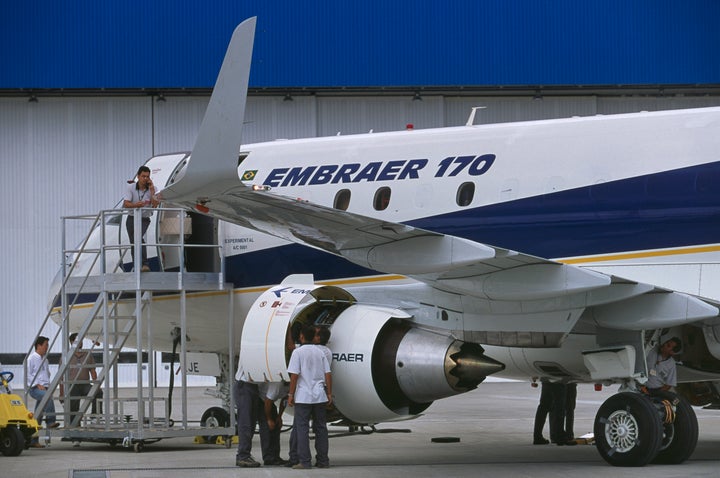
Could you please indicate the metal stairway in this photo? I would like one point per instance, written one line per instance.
(120, 309)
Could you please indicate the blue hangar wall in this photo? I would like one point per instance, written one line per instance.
(87, 44)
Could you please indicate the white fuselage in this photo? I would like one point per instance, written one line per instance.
(610, 193)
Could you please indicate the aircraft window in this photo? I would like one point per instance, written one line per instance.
(465, 194)
(382, 199)
(342, 200)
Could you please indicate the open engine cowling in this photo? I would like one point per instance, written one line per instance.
(383, 367)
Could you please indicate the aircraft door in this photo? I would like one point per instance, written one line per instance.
(197, 230)
(204, 232)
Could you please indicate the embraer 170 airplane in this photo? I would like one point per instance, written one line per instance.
(559, 249)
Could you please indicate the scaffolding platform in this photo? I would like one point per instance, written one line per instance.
(148, 281)
(115, 307)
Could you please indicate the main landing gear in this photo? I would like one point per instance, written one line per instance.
(633, 429)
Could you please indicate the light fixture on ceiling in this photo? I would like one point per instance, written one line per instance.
(160, 98)
(288, 97)
(33, 99)
(538, 96)
(417, 97)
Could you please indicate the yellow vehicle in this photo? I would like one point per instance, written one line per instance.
(17, 423)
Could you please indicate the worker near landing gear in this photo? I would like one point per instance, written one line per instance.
(541, 413)
(662, 370)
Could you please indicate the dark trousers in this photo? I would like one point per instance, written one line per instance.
(250, 413)
(542, 411)
(97, 403)
(293, 456)
(303, 412)
(570, 399)
(557, 412)
(130, 226)
(76, 393)
(271, 444)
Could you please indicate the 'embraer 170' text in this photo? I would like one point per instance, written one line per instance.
(395, 170)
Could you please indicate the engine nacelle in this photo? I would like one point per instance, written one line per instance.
(383, 367)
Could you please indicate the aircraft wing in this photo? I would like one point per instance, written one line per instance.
(491, 274)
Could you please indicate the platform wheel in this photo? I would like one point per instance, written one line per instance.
(138, 446)
(214, 417)
(12, 441)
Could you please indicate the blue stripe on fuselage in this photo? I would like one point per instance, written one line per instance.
(271, 266)
(670, 209)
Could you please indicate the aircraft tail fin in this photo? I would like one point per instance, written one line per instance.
(215, 154)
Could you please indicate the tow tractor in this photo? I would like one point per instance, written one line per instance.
(17, 423)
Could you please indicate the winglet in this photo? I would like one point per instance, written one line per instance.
(215, 154)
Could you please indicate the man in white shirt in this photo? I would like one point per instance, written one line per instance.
(140, 194)
(322, 336)
(38, 380)
(310, 393)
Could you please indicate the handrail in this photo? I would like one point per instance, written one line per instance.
(72, 270)
(31, 382)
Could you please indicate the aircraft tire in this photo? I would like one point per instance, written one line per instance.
(680, 437)
(12, 441)
(628, 430)
(214, 417)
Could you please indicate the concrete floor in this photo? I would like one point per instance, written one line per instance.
(493, 424)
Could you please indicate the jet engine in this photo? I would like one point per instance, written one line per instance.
(384, 368)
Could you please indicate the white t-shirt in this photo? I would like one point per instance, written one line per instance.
(133, 194)
(310, 365)
(240, 373)
(328, 353)
(273, 390)
(38, 371)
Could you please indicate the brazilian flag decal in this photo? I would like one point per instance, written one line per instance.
(249, 175)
